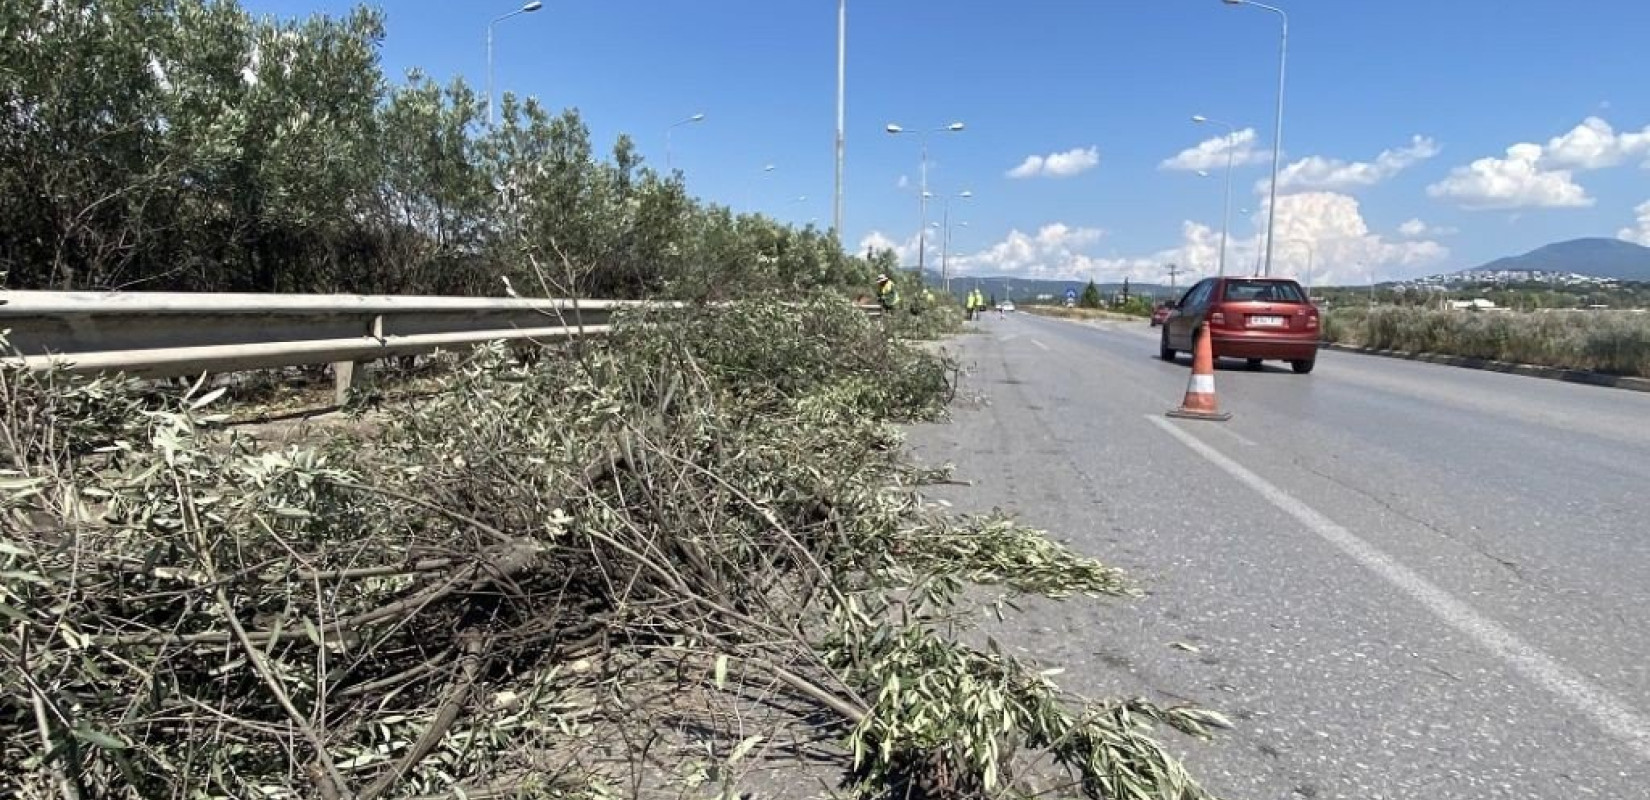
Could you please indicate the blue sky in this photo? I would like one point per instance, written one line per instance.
(1442, 88)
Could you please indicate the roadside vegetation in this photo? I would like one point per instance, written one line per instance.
(1612, 342)
(660, 566)
(186, 145)
(1076, 312)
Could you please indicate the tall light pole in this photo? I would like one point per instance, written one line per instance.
(948, 230)
(922, 203)
(526, 9)
(700, 117)
(841, 109)
(945, 232)
(1277, 131)
(1226, 208)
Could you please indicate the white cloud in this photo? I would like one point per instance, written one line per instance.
(905, 250)
(904, 182)
(910, 249)
(1517, 181)
(1641, 233)
(1334, 174)
(1211, 153)
(1058, 165)
(1595, 145)
(1415, 229)
(1537, 176)
(1052, 248)
(1343, 249)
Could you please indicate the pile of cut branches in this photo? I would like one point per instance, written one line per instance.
(514, 587)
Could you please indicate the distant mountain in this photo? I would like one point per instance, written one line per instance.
(1023, 289)
(1599, 258)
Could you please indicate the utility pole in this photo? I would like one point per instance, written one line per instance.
(841, 110)
(1173, 272)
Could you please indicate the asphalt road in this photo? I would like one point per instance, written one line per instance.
(1402, 580)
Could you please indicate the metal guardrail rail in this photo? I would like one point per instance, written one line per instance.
(158, 334)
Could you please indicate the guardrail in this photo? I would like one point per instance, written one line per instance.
(157, 334)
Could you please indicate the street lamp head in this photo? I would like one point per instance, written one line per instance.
(700, 117)
(965, 193)
(954, 127)
(927, 195)
(1199, 118)
(1203, 173)
(892, 128)
(531, 7)
(1234, 2)
(768, 168)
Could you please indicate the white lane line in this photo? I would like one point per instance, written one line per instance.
(1241, 439)
(1040, 344)
(1616, 718)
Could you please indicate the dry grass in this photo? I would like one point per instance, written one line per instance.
(1613, 342)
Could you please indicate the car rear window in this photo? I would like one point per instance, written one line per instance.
(1263, 291)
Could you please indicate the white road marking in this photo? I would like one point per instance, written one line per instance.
(1040, 344)
(1241, 439)
(1616, 718)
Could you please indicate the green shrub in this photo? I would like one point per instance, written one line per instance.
(1601, 341)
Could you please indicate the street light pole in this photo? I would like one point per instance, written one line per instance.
(526, 9)
(841, 109)
(669, 164)
(922, 201)
(1226, 208)
(945, 232)
(947, 267)
(1277, 133)
(922, 207)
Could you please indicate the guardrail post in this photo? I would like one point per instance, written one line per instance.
(343, 374)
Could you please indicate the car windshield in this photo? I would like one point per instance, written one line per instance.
(1263, 291)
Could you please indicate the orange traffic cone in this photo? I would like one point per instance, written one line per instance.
(1200, 400)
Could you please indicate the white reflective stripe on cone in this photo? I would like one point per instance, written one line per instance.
(1203, 384)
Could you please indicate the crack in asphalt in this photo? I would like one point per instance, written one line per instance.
(1513, 567)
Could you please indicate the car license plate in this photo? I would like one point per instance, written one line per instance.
(1267, 322)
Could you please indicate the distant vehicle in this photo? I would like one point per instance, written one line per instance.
(1005, 307)
(1257, 319)
(1161, 313)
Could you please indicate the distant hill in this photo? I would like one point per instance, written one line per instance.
(1023, 290)
(1600, 258)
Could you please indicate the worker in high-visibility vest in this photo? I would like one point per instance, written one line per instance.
(887, 293)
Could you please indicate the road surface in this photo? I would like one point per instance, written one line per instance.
(1402, 580)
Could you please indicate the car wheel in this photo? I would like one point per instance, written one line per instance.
(1164, 351)
(1254, 363)
(1303, 366)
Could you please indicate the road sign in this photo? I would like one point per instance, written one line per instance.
(1071, 294)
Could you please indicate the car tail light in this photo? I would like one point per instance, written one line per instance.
(1217, 319)
(1312, 321)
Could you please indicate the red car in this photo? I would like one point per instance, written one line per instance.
(1257, 319)
(1161, 313)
